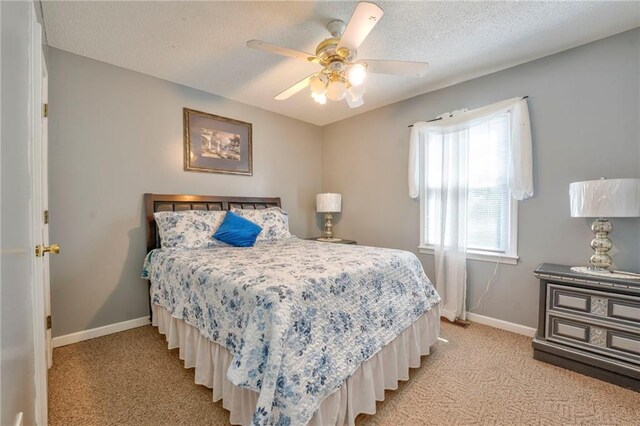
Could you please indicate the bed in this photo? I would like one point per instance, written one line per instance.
(289, 331)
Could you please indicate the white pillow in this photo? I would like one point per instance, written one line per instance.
(189, 229)
(274, 222)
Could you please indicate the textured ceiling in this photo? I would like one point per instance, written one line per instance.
(202, 44)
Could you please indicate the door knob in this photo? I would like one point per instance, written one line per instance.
(41, 250)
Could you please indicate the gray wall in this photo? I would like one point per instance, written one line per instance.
(16, 311)
(584, 106)
(116, 134)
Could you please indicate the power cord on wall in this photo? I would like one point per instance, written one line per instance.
(486, 290)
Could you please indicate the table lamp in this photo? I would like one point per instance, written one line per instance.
(328, 203)
(601, 199)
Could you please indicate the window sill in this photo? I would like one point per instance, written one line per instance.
(478, 255)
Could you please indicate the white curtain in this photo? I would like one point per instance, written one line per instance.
(448, 138)
(450, 197)
(521, 164)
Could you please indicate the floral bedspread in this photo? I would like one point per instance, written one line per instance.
(299, 316)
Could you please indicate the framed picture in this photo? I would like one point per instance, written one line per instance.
(216, 144)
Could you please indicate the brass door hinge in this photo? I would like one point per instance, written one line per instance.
(45, 110)
(46, 217)
(48, 322)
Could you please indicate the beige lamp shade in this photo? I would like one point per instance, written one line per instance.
(328, 203)
(605, 198)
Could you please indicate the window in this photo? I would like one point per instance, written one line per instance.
(491, 211)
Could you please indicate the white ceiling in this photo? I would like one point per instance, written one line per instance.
(202, 44)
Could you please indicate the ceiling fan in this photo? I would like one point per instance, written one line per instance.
(342, 73)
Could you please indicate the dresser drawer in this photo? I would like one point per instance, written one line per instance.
(598, 338)
(589, 324)
(594, 304)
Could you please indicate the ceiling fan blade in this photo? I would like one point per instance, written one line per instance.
(364, 18)
(283, 51)
(414, 69)
(294, 89)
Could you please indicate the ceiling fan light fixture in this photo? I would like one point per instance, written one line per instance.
(318, 84)
(355, 96)
(355, 103)
(356, 74)
(356, 92)
(336, 90)
(342, 74)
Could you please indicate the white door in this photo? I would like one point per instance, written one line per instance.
(40, 223)
(23, 301)
(44, 196)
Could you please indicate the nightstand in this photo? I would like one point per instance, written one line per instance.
(334, 242)
(589, 324)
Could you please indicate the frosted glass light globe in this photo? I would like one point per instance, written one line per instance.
(357, 74)
(356, 92)
(355, 103)
(317, 85)
(336, 90)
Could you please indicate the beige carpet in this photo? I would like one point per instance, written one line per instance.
(478, 375)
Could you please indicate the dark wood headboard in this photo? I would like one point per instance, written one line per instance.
(166, 202)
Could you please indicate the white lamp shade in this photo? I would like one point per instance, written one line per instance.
(605, 198)
(328, 203)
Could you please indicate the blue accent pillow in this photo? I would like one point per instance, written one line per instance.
(237, 231)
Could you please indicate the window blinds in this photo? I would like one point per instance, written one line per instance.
(488, 189)
(487, 185)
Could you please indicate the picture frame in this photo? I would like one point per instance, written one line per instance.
(216, 144)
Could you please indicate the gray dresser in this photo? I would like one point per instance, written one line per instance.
(589, 324)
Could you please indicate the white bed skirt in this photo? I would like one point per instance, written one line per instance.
(359, 395)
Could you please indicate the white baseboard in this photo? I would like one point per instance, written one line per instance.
(68, 339)
(502, 325)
